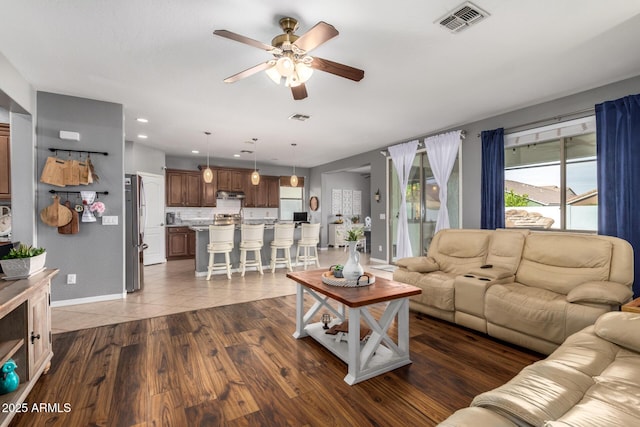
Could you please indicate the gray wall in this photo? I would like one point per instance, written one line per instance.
(142, 158)
(95, 255)
(471, 154)
(23, 180)
(342, 181)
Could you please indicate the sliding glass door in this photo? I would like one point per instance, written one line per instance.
(423, 204)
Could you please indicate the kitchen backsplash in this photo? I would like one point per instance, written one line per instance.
(223, 207)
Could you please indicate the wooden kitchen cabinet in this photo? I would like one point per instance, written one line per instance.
(181, 243)
(25, 334)
(231, 179)
(264, 195)
(208, 196)
(5, 163)
(183, 188)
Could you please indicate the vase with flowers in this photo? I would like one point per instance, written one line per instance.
(352, 269)
(97, 208)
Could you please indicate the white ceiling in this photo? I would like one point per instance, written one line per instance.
(160, 60)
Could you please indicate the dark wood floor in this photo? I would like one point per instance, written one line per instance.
(238, 365)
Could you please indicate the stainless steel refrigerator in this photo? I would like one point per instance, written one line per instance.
(134, 236)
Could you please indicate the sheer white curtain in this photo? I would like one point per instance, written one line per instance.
(442, 151)
(402, 156)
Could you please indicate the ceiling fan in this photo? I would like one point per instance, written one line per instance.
(291, 62)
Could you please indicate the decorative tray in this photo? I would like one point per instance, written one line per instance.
(365, 280)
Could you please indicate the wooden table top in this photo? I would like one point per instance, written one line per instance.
(381, 290)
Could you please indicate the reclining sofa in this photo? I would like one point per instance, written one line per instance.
(590, 380)
(530, 288)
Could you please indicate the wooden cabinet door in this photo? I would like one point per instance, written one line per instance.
(273, 187)
(250, 191)
(237, 180)
(174, 190)
(5, 163)
(192, 189)
(177, 244)
(224, 180)
(262, 193)
(39, 346)
(208, 197)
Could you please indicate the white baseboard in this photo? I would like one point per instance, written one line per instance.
(100, 298)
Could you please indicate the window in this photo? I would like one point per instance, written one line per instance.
(550, 182)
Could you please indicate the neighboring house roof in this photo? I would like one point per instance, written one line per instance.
(588, 198)
(545, 195)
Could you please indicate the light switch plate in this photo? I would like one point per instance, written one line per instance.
(383, 216)
(110, 220)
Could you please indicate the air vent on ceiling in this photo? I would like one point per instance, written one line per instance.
(300, 117)
(462, 17)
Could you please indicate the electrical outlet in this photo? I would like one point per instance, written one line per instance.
(383, 216)
(379, 248)
(110, 220)
(71, 279)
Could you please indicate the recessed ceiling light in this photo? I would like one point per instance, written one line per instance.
(236, 155)
(142, 120)
(195, 151)
(141, 136)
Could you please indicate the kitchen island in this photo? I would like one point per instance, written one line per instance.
(202, 256)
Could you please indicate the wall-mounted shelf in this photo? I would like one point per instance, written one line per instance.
(55, 150)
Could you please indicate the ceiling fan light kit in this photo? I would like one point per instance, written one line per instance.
(291, 61)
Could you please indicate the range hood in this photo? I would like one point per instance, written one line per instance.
(229, 195)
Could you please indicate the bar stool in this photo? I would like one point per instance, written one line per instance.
(309, 239)
(251, 239)
(220, 242)
(282, 239)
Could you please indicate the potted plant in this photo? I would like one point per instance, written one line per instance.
(352, 268)
(23, 261)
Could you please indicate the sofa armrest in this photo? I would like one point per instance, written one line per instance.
(604, 292)
(494, 273)
(420, 264)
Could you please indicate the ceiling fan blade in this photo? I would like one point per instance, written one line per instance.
(320, 33)
(242, 39)
(249, 72)
(299, 92)
(338, 69)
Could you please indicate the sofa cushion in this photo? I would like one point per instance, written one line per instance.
(542, 391)
(622, 328)
(600, 293)
(533, 311)
(437, 290)
(505, 249)
(456, 251)
(561, 262)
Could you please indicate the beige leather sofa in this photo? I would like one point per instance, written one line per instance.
(541, 286)
(590, 380)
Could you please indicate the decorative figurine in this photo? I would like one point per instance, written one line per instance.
(9, 380)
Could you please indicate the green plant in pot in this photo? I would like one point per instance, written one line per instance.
(23, 261)
(352, 268)
(337, 270)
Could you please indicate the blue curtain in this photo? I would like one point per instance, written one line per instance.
(492, 196)
(618, 150)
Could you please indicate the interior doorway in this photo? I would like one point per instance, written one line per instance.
(154, 233)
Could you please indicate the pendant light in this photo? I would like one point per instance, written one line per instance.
(294, 178)
(207, 174)
(255, 176)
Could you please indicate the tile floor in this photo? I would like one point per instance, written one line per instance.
(173, 288)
